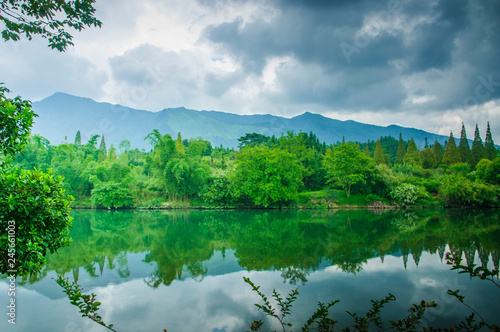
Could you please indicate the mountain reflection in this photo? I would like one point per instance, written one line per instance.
(177, 244)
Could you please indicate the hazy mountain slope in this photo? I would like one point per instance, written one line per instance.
(62, 115)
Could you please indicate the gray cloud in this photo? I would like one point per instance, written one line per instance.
(372, 49)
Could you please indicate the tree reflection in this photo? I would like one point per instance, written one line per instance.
(178, 244)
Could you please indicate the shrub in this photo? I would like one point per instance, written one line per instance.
(406, 194)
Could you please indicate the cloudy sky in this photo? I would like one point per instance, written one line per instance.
(418, 63)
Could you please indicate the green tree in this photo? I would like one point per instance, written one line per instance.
(463, 148)
(78, 139)
(489, 171)
(379, 158)
(252, 140)
(477, 150)
(34, 205)
(102, 147)
(346, 166)
(367, 151)
(185, 177)
(309, 158)
(412, 156)
(400, 154)
(124, 146)
(437, 149)
(111, 195)
(267, 177)
(198, 147)
(49, 19)
(489, 146)
(451, 154)
(179, 146)
(112, 153)
(16, 119)
(35, 201)
(428, 158)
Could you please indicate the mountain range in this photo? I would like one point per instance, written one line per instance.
(61, 115)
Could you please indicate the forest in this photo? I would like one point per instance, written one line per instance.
(294, 170)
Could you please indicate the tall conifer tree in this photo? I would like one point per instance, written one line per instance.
(463, 148)
(367, 152)
(78, 139)
(400, 153)
(379, 158)
(179, 146)
(477, 150)
(451, 153)
(102, 147)
(489, 146)
(438, 152)
(412, 156)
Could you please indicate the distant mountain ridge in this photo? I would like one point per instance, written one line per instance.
(61, 115)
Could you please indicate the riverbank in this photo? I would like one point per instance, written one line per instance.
(317, 200)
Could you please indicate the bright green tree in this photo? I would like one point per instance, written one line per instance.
(346, 166)
(32, 203)
(379, 158)
(179, 145)
(400, 154)
(489, 171)
(267, 177)
(477, 150)
(111, 195)
(489, 145)
(451, 154)
(463, 148)
(185, 177)
(412, 156)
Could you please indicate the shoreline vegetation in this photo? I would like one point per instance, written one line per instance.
(294, 171)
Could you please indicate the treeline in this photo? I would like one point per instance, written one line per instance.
(271, 171)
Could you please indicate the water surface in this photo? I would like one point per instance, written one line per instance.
(183, 270)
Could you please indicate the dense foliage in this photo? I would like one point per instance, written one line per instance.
(34, 210)
(33, 206)
(292, 170)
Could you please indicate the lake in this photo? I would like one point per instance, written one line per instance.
(183, 270)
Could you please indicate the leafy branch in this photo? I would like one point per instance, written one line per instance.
(268, 309)
(481, 272)
(88, 304)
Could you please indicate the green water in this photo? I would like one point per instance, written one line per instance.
(183, 270)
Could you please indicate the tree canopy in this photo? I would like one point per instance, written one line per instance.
(49, 19)
(346, 166)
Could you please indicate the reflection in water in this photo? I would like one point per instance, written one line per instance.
(295, 243)
(302, 248)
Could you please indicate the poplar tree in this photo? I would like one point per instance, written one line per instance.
(489, 146)
(477, 150)
(78, 139)
(451, 153)
(463, 148)
(367, 151)
(438, 152)
(379, 158)
(102, 147)
(179, 146)
(412, 156)
(400, 153)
